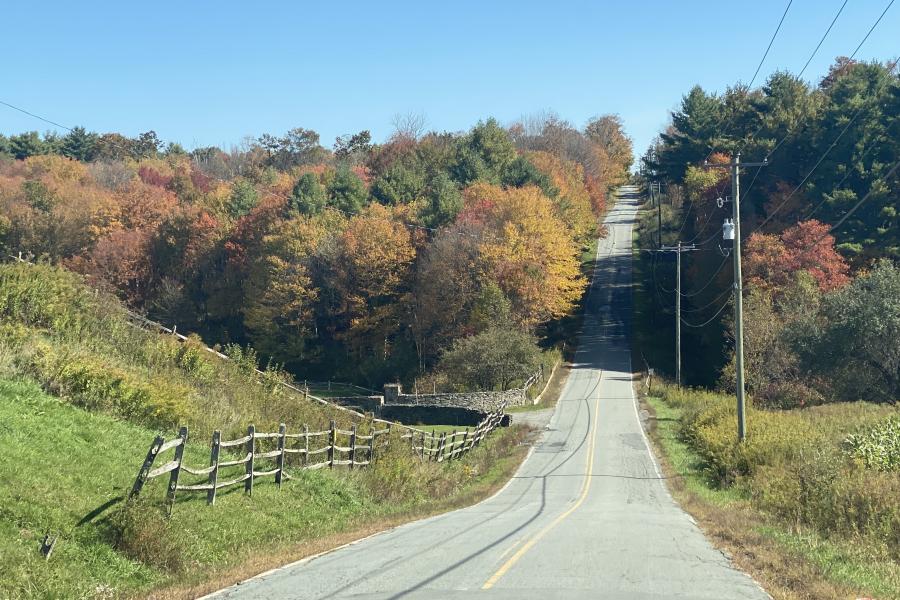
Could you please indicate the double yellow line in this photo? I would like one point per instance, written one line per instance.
(585, 488)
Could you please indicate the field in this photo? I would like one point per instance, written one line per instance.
(804, 516)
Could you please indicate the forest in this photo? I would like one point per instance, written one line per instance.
(820, 233)
(429, 253)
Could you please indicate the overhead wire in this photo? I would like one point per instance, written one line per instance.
(708, 321)
(841, 182)
(805, 66)
(821, 41)
(710, 303)
(851, 57)
(759, 66)
(824, 155)
(771, 41)
(697, 292)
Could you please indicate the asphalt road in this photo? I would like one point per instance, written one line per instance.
(586, 516)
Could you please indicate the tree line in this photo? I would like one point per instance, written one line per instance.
(822, 302)
(364, 261)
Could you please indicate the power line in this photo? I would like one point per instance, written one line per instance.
(31, 114)
(789, 133)
(819, 45)
(759, 66)
(708, 321)
(834, 227)
(771, 41)
(840, 183)
(861, 201)
(821, 158)
(886, 8)
(707, 305)
(711, 279)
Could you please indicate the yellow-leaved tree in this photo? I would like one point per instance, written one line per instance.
(526, 249)
(573, 202)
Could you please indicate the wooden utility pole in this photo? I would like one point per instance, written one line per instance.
(678, 250)
(735, 166)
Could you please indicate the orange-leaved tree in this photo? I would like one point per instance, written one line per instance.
(771, 261)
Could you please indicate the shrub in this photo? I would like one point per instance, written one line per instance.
(801, 465)
(495, 358)
(141, 532)
(877, 447)
(789, 394)
(97, 383)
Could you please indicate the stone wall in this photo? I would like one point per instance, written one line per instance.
(480, 401)
(364, 404)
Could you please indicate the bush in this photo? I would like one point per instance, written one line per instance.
(493, 359)
(804, 466)
(97, 383)
(788, 394)
(142, 533)
(877, 447)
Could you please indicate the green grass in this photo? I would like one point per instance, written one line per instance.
(684, 460)
(845, 561)
(67, 471)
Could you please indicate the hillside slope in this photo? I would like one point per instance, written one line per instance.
(82, 395)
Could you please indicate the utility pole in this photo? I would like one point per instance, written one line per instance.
(678, 315)
(678, 250)
(735, 166)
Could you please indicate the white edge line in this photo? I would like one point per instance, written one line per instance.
(224, 591)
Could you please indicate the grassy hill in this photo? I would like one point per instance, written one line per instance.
(83, 393)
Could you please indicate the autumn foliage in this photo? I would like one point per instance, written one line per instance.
(367, 263)
(772, 261)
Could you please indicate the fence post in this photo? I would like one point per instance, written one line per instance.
(452, 445)
(279, 475)
(422, 436)
(305, 445)
(434, 443)
(214, 463)
(441, 443)
(332, 439)
(465, 441)
(372, 446)
(173, 477)
(251, 450)
(145, 468)
(352, 445)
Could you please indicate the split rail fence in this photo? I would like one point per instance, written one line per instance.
(257, 455)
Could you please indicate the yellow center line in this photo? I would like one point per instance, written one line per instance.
(585, 487)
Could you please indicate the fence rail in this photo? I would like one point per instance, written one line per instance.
(249, 459)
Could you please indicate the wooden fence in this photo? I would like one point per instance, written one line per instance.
(246, 458)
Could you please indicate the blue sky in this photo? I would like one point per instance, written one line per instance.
(213, 72)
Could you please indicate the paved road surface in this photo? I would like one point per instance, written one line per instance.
(586, 516)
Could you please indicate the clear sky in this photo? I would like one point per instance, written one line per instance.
(201, 72)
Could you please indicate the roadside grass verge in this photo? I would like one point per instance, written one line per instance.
(793, 559)
(67, 471)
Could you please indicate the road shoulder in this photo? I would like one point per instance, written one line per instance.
(790, 564)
